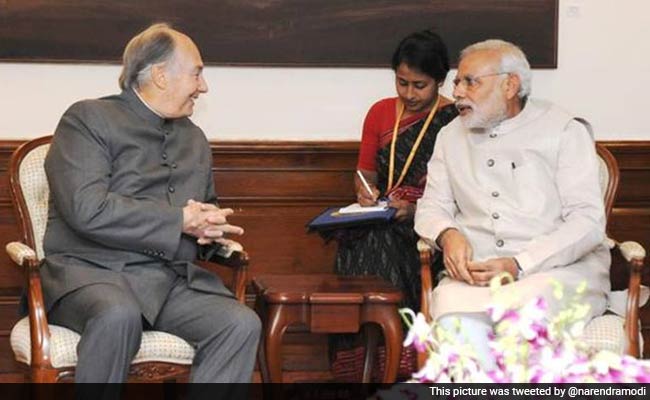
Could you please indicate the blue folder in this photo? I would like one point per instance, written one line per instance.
(332, 219)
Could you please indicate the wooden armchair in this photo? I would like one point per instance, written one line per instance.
(50, 350)
(608, 331)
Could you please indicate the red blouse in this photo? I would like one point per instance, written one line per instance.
(378, 130)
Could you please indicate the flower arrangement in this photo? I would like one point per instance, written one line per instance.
(527, 347)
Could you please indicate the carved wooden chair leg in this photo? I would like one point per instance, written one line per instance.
(261, 310)
(370, 333)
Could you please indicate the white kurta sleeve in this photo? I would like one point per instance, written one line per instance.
(436, 208)
(583, 215)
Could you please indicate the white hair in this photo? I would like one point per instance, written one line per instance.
(152, 46)
(513, 60)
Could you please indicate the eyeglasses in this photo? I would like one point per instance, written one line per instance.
(472, 82)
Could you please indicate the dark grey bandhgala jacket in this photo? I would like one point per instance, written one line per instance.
(119, 176)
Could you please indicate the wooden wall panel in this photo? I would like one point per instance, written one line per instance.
(11, 279)
(10, 370)
(282, 185)
(277, 241)
(278, 187)
(631, 214)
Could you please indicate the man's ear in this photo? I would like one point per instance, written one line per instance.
(513, 84)
(159, 76)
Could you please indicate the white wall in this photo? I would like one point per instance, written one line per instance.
(603, 74)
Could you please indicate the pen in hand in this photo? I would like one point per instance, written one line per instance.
(366, 186)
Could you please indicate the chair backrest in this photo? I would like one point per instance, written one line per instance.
(609, 177)
(30, 191)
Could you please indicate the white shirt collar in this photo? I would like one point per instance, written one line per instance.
(147, 104)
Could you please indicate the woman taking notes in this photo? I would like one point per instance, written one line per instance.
(397, 142)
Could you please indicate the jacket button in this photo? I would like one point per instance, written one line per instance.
(490, 162)
(164, 156)
(495, 194)
(499, 243)
(495, 215)
(171, 189)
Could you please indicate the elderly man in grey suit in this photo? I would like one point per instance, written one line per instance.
(132, 206)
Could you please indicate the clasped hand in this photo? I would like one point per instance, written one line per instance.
(457, 258)
(208, 223)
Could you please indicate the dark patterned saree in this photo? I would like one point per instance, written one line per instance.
(390, 250)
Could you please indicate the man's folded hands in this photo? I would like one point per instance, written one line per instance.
(208, 223)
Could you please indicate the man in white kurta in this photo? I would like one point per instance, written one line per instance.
(512, 186)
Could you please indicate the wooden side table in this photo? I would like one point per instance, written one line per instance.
(326, 303)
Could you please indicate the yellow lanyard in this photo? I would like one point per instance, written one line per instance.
(414, 149)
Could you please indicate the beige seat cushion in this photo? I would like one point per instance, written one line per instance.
(156, 346)
(606, 333)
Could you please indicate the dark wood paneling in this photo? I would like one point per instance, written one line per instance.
(278, 32)
(634, 161)
(10, 370)
(10, 277)
(630, 218)
(277, 241)
(8, 313)
(631, 214)
(287, 184)
(8, 366)
(276, 188)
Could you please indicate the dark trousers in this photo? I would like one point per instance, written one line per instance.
(224, 332)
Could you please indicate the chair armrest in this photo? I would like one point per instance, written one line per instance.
(230, 255)
(39, 329)
(422, 245)
(426, 255)
(234, 257)
(631, 251)
(20, 253)
(634, 254)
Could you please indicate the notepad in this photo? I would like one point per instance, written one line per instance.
(356, 208)
(331, 218)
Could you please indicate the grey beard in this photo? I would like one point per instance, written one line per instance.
(484, 126)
